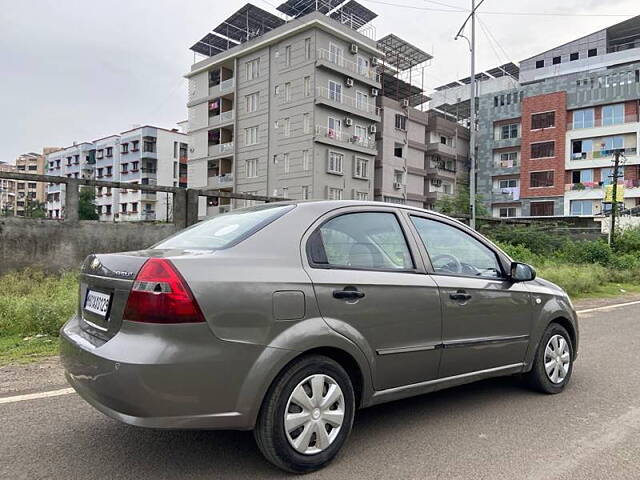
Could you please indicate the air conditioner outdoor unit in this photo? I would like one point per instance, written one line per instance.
(348, 121)
(375, 60)
(397, 185)
(374, 92)
(405, 103)
(349, 82)
(354, 48)
(373, 129)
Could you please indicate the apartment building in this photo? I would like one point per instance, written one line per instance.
(30, 194)
(546, 143)
(143, 155)
(285, 107)
(7, 190)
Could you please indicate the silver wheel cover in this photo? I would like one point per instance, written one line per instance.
(314, 414)
(557, 358)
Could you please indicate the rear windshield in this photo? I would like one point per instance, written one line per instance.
(224, 231)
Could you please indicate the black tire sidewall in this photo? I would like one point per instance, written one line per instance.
(288, 457)
(541, 378)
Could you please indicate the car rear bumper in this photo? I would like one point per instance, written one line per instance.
(164, 376)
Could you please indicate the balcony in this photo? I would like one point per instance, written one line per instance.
(345, 140)
(506, 164)
(220, 181)
(223, 87)
(220, 149)
(598, 122)
(147, 215)
(364, 108)
(338, 62)
(441, 148)
(608, 154)
(582, 186)
(224, 117)
(502, 195)
(440, 171)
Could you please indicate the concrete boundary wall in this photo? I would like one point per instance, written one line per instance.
(56, 245)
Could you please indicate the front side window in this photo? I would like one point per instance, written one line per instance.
(368, 240)
(225, 230)
(454, 252)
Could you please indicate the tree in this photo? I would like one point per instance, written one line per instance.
(86, 205)
(458, 204)
(35, 209)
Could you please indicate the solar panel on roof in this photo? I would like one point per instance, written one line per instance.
(298, 8)
(248, 22)
(398, 89)
(212, 44)
(401, 54)
(353, 14)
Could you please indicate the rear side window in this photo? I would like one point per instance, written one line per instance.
(369, 241)
(454, 252)
(224, 231)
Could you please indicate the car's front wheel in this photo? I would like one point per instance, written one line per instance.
(553, 363)
(307, 415)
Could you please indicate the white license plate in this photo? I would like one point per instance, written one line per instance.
(97, 302)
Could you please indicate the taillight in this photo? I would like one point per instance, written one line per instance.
(161, 295)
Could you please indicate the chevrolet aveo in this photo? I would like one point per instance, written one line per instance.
(285, 318)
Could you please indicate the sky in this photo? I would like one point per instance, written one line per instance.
(78, 70)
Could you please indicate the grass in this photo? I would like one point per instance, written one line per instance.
(15, 349)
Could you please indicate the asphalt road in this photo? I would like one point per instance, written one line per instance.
(490, 430)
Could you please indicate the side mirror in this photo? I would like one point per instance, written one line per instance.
(521, 272)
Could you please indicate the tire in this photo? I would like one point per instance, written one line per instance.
(558, 378)
(271, 433)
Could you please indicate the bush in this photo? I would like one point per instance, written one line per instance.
(576, 279)
(629, 241)
(597, 251)
(520, 253)
(32, 302)
(536, 239)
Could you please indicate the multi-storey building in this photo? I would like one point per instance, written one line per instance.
(285, 108)
(546, 144)
(7, 190)
(30, 194)
(145, 155)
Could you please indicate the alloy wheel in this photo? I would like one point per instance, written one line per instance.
(314, 414)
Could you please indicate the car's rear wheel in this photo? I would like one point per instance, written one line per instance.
(307, 415)
(553, 363)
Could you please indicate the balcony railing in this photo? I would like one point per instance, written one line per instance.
(600, 122)
(220, 181)
(221, 118)
(506, 163)
(219, 148)
(365, 106)
(573, 187)
(631, 151)
(353, 67)
(223, 85)
(506, 194)
(343, 137)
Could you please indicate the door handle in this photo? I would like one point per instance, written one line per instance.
(460, 295)
(348, 294)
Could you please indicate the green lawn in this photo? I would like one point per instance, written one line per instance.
(17, 349)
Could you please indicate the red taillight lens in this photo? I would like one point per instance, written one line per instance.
(160, 295)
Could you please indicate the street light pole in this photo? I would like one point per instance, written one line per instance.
(472, 110)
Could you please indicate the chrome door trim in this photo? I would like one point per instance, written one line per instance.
(416, 348)
(473, 342)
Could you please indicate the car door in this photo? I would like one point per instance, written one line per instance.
(486, 317)
(370, 288)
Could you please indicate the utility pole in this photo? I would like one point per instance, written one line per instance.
(472, 110)
(614, 197)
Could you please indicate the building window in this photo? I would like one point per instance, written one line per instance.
(542, 150)
(509, 131)
(398, 178)
(149, 146)
(109, 151)
(541, 179)
(334, 127)
(251, 168)
(287, 55)
(123, 207)
(253, 68)
(574, 56)
(307, 86)
(543, 120)
(306, 164)
(362, 196)
(542, 209)
(135, 145)
(306, 123)
(252, 102)
(613, 114)
(124, 167)
(507, 212)
(124, 148)
(276, 90)
(334, 193)
(100, 154)
(606, 174)
(287, 127)
(592, 52)
(335, 91)
(581, 207)
(134, 207)
(508, 160)
(307, 48)
(287, 92)
(361, 168)
(581, 176)
(557, 60)
(508, 183)
(583, 118)
(134, 166)
(251, 136)
(539, 63)
(305, 192)
(362, 103)
(398, 150)
(335, 54)
(286, 163)
(335, 163)
(401, 122)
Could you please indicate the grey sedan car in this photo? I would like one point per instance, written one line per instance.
(285, 318)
